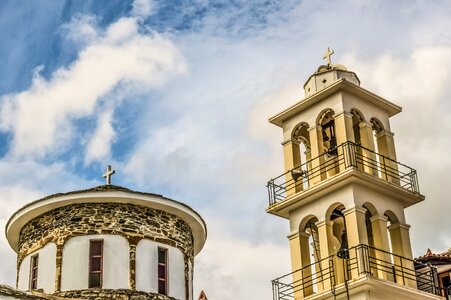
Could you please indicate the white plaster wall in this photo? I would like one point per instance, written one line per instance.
(23, 283)
(46, 269)
(147, 266)
(75, 265)
(190, 276)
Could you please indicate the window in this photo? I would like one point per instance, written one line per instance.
(95, 263)
(444, 281)
(34, 272)
(162, 271)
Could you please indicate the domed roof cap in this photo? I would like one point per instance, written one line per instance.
(327, 74)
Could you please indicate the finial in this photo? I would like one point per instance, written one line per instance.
(327, 56)
(202, 296)
(109, 172)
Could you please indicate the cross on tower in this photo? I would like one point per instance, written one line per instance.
(109, 172)
(328, 55)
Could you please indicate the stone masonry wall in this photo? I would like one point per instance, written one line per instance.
(112, 294)
(134, 222)
(131, 221)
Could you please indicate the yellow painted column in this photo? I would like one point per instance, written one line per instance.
(380, 237)
(296, 264)
(357, 235)
(325, 233)
(386, 147)
(306, 262)
(314, 172)
(400, 241)
(343, 128)
(369, 157)
(344, 132)
(300, 262)
(292, 159)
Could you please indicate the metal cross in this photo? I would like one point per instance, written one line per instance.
(328, 55)
(109, 172)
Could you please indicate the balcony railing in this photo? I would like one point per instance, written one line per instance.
(345, 156)
(328, 274)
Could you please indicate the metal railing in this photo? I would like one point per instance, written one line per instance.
(345, 156)
(305, 280)
(362, 261)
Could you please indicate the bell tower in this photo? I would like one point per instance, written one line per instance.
(344, 193)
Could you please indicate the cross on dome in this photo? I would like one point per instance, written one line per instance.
(109, 172)
(328, 55)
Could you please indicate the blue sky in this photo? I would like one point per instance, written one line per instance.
(176, 96)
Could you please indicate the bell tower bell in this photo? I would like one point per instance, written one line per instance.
(344, 193)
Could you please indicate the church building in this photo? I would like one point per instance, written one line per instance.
(344, 193)
(106, 242)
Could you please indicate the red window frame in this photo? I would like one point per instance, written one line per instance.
(162, 271)
(34, 264)
(95, 264)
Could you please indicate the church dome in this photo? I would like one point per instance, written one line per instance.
(327, 75)
(107, 240)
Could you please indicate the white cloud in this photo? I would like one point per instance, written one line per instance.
(419, 82)
(230, 267)
(208, 139)
(143, 8)
(98, 147)
(40, 118)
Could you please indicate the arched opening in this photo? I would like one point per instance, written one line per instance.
(328, 138)
(396, 245)
(357, 118)
(338, 241)
(310, 256)
(370, 212)
(327, 144)
(301, 155)
(377, 127)
(391, 219)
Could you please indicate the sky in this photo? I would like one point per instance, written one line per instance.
(176, 96)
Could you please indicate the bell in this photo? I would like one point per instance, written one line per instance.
(343, 252)
(297, 173)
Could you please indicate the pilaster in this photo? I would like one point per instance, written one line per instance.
(356, 233)
(314, 152)
(325, 233)
(344, 132)
(292, 159)
(386, 147)
(300, 258)
(380, 236)
(400, 241)
(366, 138)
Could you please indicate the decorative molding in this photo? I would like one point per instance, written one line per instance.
(379, 218)
(348, 211)
(399, 225)
(384, 133)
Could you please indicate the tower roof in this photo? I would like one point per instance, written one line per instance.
(341, 84)
(110, 194)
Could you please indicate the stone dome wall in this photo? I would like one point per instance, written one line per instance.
(134, 222)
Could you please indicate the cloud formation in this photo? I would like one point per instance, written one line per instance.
(202, 90)
(119, 57)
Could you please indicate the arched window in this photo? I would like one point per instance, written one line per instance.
(357, 118)
(338, 240)
(328, 135)
(377, 128)
(310, 255)
(301, 153)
